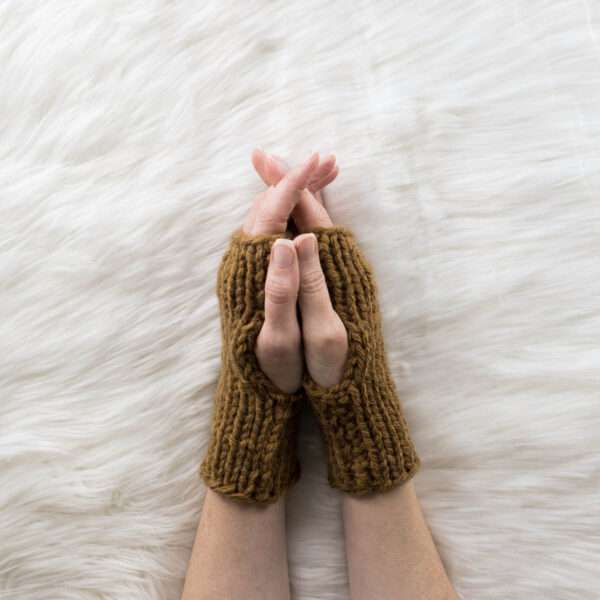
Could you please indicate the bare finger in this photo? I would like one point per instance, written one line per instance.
(325, 180)
(310, 213)
(280, 201)
(323, 171)
(269, 168)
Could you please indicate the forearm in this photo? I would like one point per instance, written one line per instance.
(239, 552)
(390, 552)
(371, 456)
(240, 548)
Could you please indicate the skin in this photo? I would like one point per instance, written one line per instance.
(240, 549)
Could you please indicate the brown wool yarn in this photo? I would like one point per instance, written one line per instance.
(251, 453)
(368, 443)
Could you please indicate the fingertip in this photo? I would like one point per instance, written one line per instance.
(284, 253)
(299, 239)
(284, 242)
(331, 177)
(306, 246)
(307, 170)
(313, 161)
(329, 161)
(257, 155)
(282, 284)
(323, 170)
(259, 160)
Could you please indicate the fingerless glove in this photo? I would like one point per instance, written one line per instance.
(368, 444)
(251, 453)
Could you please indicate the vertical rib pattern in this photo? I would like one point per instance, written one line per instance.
(368, 443)
(251, 453)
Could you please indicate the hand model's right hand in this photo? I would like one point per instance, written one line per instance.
(368, 443)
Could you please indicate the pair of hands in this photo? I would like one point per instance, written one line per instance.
(295, 278)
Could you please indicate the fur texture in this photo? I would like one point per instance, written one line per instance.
(468, 135)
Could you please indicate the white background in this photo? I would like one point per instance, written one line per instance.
(468, 136)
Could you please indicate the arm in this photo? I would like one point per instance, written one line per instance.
(389, 548)
(240, 548)
(239, 552)
(390, 552)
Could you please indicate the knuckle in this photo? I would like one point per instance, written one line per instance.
(331, 338)
(313, 281)
(279, 291)
(278, 345)
(267, 224)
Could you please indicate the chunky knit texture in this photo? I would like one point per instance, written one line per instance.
(369, 447)
(251, 453)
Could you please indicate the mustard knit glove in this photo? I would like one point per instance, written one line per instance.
(369, 447)
(251, 453)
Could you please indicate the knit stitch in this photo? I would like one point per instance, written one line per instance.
(368, 443)
(251, 453)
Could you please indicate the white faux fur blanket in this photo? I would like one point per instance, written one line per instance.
(468, 136)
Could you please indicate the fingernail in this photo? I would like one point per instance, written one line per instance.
(283, 253)
(307, 247)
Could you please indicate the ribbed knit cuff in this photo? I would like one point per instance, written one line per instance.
(251, 453)
(368, 442)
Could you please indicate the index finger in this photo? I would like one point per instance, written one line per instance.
(280, 200)
(268, 168)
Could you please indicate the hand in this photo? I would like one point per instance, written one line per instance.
(295, 277)
(309, 211)
(272, 208)
(271, 169)
(279, 346)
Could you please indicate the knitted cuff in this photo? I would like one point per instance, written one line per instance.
(251, 453)
(368, 443)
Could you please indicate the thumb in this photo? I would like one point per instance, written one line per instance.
(278, 347)
(325, 337)
(314, 299)
(281, 286)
